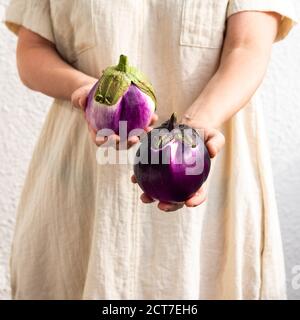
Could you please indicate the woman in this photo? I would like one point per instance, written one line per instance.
(82, 231)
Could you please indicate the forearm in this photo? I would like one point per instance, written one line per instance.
(42, 69)
(245, 56)
(240, 73)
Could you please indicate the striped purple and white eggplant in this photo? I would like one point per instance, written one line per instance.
(123, 93)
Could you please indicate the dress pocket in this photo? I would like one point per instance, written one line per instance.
(203, 23)
(73, 26)
(84, 25)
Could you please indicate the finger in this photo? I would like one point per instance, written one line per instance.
(146, 199)
(132, 141)
(91, 128)
(167, 207)
(148, 129)
(129, 145)
(85, 116)
(77, 99)
(100, 140)
(74, 100)
(214, 141)
(92, 133)
(197, 199)
(107, 141)
(75, 103)
(133, 179)
(82, 102)
(113, 141)
(154, 118)
(126, 144)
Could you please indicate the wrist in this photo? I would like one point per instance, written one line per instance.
(82, 81)
(198, 121)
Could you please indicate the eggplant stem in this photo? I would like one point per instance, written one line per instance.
(172, 121)
(123, 64)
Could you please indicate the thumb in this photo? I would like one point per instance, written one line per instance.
(82, 102)
(214, 141)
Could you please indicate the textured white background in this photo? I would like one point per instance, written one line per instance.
(22, 113)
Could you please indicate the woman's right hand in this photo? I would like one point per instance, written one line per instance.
(79, 99)
(79, 96)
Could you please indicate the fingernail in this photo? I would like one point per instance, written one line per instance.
(100, 138)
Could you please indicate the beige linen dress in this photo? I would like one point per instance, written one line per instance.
(81, 231)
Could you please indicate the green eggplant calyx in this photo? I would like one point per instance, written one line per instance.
(116, 80)
(112, 85)
(141, 81)
(99, 97)
(161, 140)
(178, 132)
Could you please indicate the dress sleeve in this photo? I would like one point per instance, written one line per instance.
(285, 8)
(32, 14)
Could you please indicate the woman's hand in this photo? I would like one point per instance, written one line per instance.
(114, 139)
(79, 96)
(79, 99)
(214, 141)
(246, 51)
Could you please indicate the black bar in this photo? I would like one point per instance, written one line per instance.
(143, 309)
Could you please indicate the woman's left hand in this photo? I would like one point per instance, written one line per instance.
(214, 141)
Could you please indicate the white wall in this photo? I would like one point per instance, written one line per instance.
(21, 116)
(22, 113)
(281, 95)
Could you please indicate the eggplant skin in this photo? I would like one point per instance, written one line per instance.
(123, 93)
(170, 182)
(135, 107)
